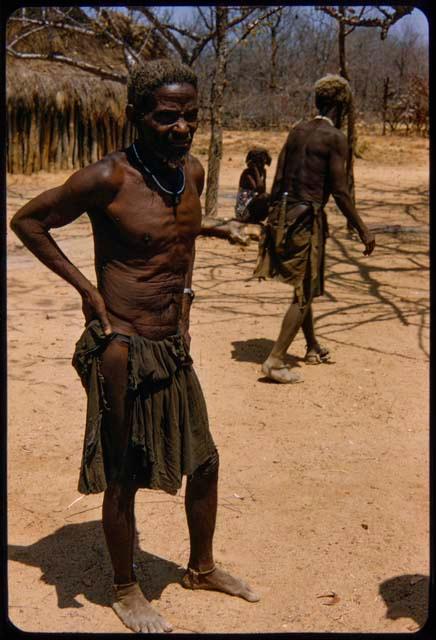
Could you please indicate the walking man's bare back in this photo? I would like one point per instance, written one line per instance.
(313, 151)
(311, 167)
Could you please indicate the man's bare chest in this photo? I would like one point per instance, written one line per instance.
(140, 217)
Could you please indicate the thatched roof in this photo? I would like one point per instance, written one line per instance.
(60, 116)
(47, 82)
(36, 82)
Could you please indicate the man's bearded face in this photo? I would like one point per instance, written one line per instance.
(168, 129)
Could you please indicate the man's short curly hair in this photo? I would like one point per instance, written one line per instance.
(145, 78)
(258, 153)
(332, 90)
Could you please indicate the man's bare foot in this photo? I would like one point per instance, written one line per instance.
(136, 612)
(219, 580)
(316, 354)
(280, 372)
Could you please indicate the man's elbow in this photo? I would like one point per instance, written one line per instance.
(21, 226)
(16, 225)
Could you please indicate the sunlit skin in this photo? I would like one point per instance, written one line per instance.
(311, 167)
(144, 252)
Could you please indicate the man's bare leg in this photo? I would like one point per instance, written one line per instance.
(118, 504)
(201, 506)
(274, 366)
(315, 353)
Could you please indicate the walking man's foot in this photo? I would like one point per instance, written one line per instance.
(218, 580)
(278, 371)
(317, 355)
(136, 612)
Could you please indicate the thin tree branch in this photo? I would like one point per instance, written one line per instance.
(183, 32)
(243, 16)
(128, 52)
(255, 23)
(55, 25)
(166, 33)
(145, 43)
(203, 17)
(384, 24)
(66, 14)
(22, 36)
(79, 64)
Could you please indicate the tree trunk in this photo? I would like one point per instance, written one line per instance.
(274, 52)
(351, 126)
(385, 103)
(216, 109)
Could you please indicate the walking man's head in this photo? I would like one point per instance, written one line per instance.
(332, 97)
(163, 106)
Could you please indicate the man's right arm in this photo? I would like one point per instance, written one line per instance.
(341, 194)
(57, 208)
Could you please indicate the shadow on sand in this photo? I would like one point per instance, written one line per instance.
(74, 559)
(406, 596)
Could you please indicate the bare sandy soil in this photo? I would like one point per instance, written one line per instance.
(323, 503)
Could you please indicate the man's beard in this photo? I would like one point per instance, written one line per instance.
(171, 156)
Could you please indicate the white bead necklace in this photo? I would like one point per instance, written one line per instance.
(175, 194)
(324, 118)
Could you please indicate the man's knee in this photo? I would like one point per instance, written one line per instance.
(120, 493)
(209, 468)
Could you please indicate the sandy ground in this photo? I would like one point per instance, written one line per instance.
(323, 503)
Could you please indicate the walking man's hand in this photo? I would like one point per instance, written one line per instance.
(368, 239)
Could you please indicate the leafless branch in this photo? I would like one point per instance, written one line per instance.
(245, 13)
(79, 64)
(130, 55)
(145, 42)
(358, 21)
(255, 23)
(22, 36)
(65, 14)
(166, 33)
(204, 18)
(56, 25)
(183, 32)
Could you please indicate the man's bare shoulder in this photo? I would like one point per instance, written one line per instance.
(196, 170)
(194, 165)
(101, 180)
(109, 171)
(337, 139)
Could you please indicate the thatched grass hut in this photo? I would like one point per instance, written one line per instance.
(60, 117)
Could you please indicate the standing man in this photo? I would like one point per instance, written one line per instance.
(147, 423)
(311, 167)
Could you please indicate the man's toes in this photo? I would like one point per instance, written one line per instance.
(247, 593)
(162, 626)
(167, 627)
(251, 596)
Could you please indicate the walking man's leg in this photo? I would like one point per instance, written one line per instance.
(274, 366)
(315, 353)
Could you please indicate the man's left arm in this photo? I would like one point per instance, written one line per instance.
(188, 293)
(341, 195)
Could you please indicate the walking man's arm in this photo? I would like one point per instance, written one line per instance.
(341, 194)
